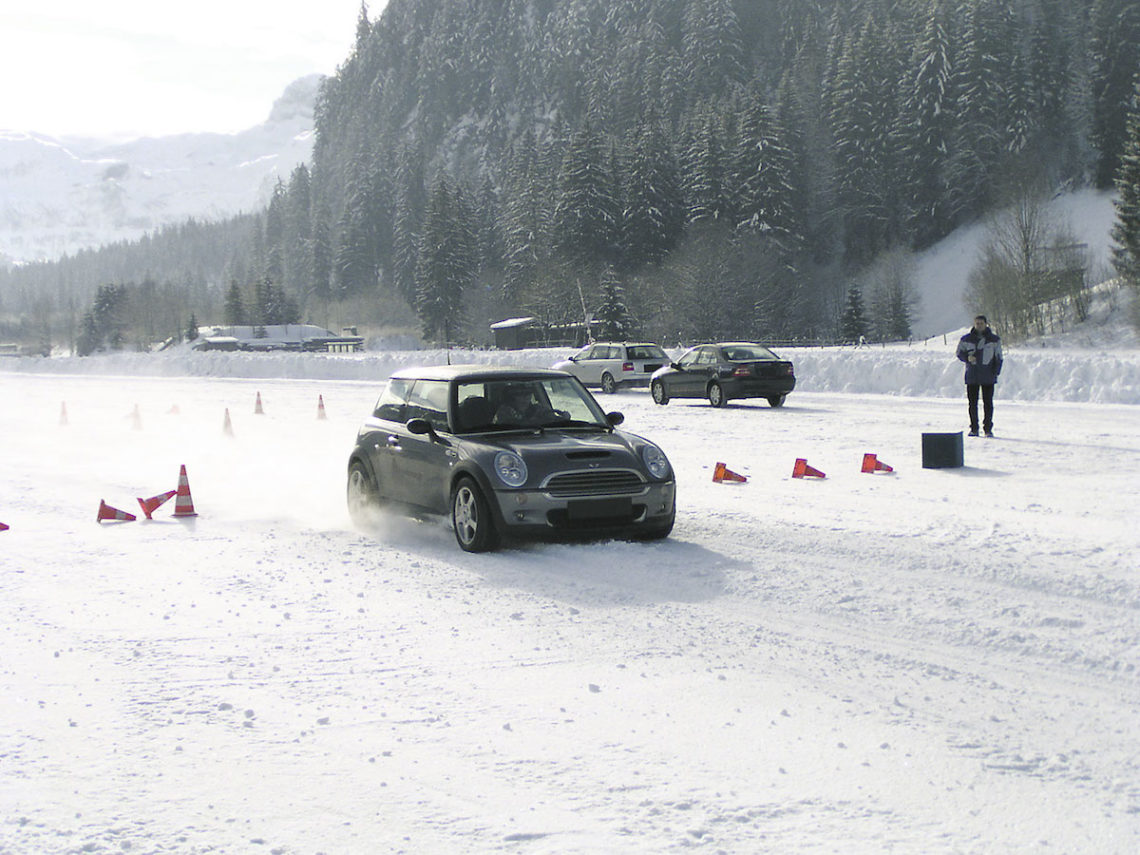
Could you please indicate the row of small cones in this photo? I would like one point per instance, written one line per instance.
(183, 504)
(136, 416)
(259, 410)
(801, 469)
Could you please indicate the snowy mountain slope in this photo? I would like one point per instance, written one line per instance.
(58, 196)
(941, 273)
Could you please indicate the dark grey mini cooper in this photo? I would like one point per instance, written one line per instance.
(508, 452)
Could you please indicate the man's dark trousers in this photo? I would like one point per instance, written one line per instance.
(987, 391)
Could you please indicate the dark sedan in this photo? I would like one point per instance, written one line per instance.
(508, 452)
(724, 371)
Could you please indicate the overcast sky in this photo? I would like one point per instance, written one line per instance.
(149, 67)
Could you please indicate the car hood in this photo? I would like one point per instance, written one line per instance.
(616, 449)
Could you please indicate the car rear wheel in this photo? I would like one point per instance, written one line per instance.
(660, 395)
(363, 498)
(609, 385)
(776, 400)
(471, 516)
(716, 394)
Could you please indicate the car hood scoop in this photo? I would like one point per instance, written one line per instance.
(587, 455)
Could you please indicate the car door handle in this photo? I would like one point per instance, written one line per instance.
(393, 441)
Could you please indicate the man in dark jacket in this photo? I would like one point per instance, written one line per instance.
(980, 349)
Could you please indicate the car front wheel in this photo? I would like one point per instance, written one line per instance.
(471, 516)
(716, 395)
(776, 400)
(609, 385)
(362, 496)
(660, 395)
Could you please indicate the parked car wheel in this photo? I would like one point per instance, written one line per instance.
(363, 500)
(609, 385)
(776, 400)
(660, 396)
(471, 516)
(716, 394)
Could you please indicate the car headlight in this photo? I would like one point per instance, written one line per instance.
(655, 461)
(510, 468)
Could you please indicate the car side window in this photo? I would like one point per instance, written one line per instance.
(392, 401)
(688, 359)
(706, 356)
(428, 400)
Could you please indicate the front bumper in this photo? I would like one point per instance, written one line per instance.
(538, 511)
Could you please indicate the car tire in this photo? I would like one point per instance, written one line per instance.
(716, 394)
(659, 393)
(776, 400)
(609, 385)
(471, 518)
(361, 495)
(658, 532)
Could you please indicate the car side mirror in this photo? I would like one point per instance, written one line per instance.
(420, 427)
(574, 358)
(615, 418)
(676, 366)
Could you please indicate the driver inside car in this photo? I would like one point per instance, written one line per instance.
(518, 406)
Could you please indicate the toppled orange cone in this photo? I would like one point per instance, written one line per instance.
(4, 527)
(722, 473)
(802, 470)
(106, 512)
(321, 407)
(257, 410)
(184, 505)
(152, 504)
(872, 463)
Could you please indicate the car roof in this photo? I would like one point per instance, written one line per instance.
(476, 372)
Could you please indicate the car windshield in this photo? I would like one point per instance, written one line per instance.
(746, 352)
(496, 404)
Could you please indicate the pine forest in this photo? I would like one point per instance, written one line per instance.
(674, 169)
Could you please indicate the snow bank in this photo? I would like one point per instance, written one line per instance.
(929, 369)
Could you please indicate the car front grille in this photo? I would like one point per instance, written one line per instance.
(607, 482)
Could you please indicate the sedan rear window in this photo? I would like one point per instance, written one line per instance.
(738, 353)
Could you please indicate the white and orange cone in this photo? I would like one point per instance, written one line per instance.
(106, 512)
(321, 408)
(257, 410)
(184, 505)
(63, 414)
(227, 425)
(152, 504)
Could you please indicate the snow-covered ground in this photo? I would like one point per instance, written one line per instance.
(923, 661)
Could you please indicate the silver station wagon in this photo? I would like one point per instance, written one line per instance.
(508, 452)
(612, 365)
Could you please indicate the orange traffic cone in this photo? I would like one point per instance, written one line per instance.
(63, 414)
(227, 425)
(802, 470)
(871, 463)
(722, 473)
(152, 504)
(136, 418)
(257, 410)
(106, 512)
(184, 505)
(321, 407)
(173, 411)
(4, 527)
